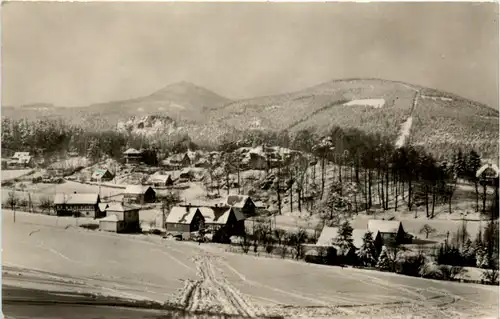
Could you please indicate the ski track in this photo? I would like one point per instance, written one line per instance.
(212, 292)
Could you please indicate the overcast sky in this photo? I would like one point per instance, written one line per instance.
(81, 53)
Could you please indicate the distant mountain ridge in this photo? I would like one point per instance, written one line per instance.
(431, 117)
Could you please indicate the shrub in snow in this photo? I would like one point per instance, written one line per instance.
(452, 272)
(481, 257)
(469, 254)
(409, 264)
(430, 270)
(490, 276)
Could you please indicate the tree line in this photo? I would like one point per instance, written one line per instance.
(379, 174)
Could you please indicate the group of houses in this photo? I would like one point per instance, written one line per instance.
(219, 221)
(259, 158)
(114, 216)
(384, 232)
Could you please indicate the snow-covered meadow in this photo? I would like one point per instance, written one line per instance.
(147, 267)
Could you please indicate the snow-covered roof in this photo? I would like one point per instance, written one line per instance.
(78, 198)
(99, 172)
(136, 189)
(181, 215)
(176, 158)
(237, 200)
(103, 206)
(160, 178)
(110, 218)
(132, 151)
(492, 167)
(383, 226)
(21, 154)
(119, 207)
(328, 235)
(220, 215)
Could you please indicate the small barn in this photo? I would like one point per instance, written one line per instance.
(111, 223)
(101, 175)
(327, 244)
(243, 202)
(387, 232)
(184, 220)
(223, 221)
(161, 180)
(126, 214)
(139, 194)
(78, 204)
(180, 160)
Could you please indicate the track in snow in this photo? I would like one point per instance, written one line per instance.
(212, 293)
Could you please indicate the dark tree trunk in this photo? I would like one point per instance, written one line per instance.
(433, 201)
(477, 194)
(396, 192)
(409, 193)
(299, 194)
(322, 176)
(387, 177)
(366, 189)
(369, 188)
(426, 192)
(484, 196)
(239, 177)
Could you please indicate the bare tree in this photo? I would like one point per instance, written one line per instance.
(46, 204)
(170, 200)
(11, 202)
(427, 230)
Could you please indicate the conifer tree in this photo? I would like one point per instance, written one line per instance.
(344, 238)
(481, 257)
(468, 253)
(367, 253)
(384, 262)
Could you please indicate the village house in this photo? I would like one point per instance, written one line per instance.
(223, 222)
(160, 180)
(20, 160)
(139, 194)
(133, 156)
(242, 202)
(329, 234)
(183, 220)
(180, 160)
(101, 175)
(78, 204)
(255, 161)
(388, 232)
(202, 162)
(120, 218)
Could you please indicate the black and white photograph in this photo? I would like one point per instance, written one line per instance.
(249, 160)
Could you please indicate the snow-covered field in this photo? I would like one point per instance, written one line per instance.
(203, 277)
(42, 190)
(376, 103)
(13, 173)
